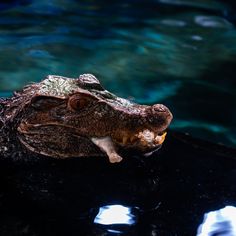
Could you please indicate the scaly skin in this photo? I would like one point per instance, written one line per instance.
(64, 117)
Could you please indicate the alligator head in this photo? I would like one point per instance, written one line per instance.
(67, 117)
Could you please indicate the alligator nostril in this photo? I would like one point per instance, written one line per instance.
(159, 108)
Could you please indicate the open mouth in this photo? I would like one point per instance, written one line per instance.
(148, 137)
(144, 139)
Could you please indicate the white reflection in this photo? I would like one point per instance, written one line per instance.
(221, 223)
(114, 214)
(212, 21)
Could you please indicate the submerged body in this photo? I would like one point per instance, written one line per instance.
(64, 117)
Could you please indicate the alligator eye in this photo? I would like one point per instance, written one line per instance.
(78, 102)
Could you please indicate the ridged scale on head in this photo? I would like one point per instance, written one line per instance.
(60, 86)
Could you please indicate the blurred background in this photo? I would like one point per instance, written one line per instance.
(181, 53)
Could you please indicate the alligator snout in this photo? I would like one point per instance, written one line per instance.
(144, 128)
(159, 108)
(156, 117)
(160, 117)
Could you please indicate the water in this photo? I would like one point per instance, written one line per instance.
(114, 214)
(180, 53)
(220, 222)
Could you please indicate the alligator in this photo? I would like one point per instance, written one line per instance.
(62, 117)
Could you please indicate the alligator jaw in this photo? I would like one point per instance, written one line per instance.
(146, 140)
(143, 140)
(144, 130)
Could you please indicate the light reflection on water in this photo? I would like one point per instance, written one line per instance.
(221, 222)
(115, 214)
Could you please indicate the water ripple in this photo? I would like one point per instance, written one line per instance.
(212, 22)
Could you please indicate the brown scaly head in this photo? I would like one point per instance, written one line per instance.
(67, 117)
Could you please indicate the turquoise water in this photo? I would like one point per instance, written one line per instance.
(180, 53)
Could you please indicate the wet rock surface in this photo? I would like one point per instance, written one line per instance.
(168, 192)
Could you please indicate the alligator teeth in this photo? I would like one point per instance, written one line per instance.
(159, 139)
(124, 139)
(145, 137)
(149, 138)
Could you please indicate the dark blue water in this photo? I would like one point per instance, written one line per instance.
(180, 53)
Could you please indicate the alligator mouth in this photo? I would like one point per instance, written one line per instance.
(145, 139)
